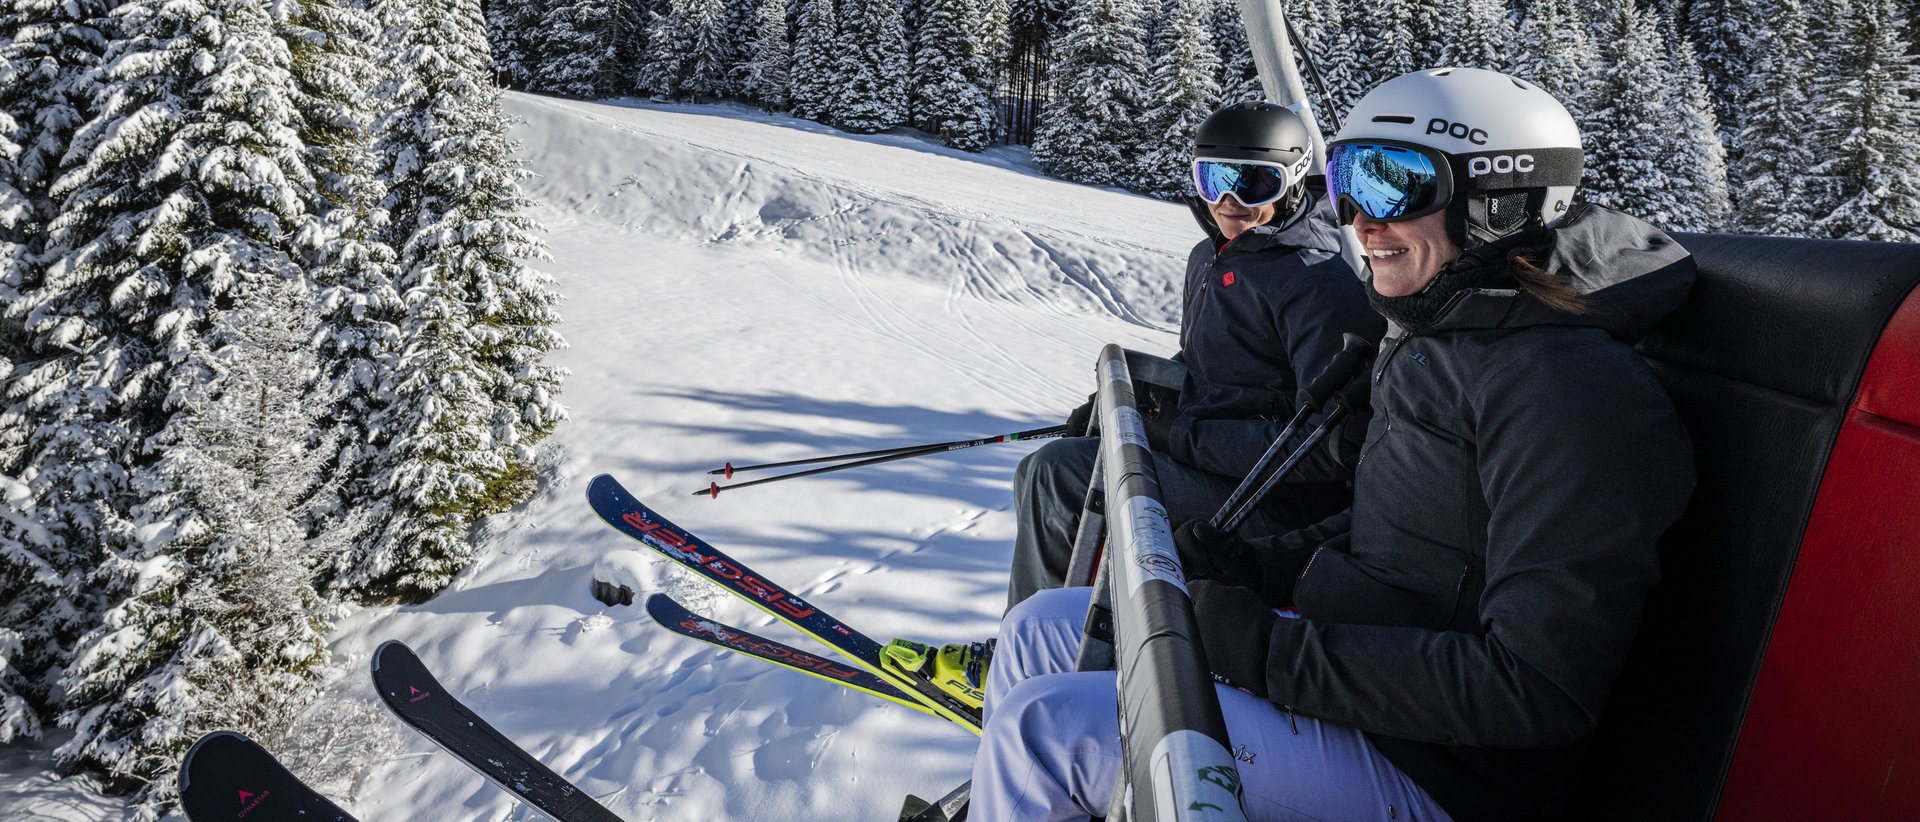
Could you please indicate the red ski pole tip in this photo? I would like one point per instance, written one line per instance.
(729, 470)
(713, 490)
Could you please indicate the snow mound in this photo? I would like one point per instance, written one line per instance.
(900, 205)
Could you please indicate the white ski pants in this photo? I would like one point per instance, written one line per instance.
(1051, 747)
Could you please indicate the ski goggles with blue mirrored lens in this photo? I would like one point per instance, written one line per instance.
(1252, 182)
(1387, 181)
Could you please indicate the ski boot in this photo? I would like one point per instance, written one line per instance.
(959, 669)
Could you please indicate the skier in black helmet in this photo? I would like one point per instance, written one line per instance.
(1267, 298)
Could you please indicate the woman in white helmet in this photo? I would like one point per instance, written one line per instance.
(1459, 631)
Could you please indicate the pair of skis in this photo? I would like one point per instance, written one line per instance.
(620, 509)
(625, 513)
(227, 776)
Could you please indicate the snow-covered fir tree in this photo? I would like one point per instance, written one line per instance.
(1723, 33)
(1552, 51)
(1696, 161)
(816, 54)
(1480, 36)
(763, 76)
(222, 627)
(871, 94)
(1184, 91)
(514, 29)
(1432, 26)
(688, 54)
(337, 70)
(993, 30)
(176, 216)
(949, 77)
(738, 34)
(1863, 177)
(1385, 35)
(469, 391)
(1770, 171)
(587, 48)
(54, 456)
(1239, 80)
(63, 493)
(1327, 39)
(1629, 127)
(1091, 130)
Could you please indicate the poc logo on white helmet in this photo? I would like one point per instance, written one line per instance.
(1500, 164)
(1458, 131)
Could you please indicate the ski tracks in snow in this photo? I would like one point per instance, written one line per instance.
(987, 261)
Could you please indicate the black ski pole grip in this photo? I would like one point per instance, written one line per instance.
(1354, 350)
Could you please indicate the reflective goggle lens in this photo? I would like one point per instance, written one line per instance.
(1253, 184)
(1384, 182)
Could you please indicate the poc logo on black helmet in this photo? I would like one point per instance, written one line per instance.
(1458, 131)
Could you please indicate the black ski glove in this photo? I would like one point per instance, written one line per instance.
(1207, 552)
(611, 594)
(1080, 418)
(1159, 409)
(1268, 565)
(1159, 434)
(1236, 629)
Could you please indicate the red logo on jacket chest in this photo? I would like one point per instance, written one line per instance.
(1227, 278)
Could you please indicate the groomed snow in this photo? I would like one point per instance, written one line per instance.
(748, 287)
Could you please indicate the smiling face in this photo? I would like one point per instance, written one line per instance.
(1405, 255)
(1234, 219)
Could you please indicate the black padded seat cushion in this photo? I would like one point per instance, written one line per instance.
(1762, 361)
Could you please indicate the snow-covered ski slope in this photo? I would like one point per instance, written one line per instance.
(749, 287)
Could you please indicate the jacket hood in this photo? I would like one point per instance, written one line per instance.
(1633, 274)
(1311, 227)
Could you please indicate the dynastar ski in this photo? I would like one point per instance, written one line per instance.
(622, 511)
(410, 690)
(226, 776)
(676, 618)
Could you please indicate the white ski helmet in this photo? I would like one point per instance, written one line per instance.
(1418, 142)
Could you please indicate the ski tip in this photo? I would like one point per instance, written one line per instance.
(214, 737)
(381, 652)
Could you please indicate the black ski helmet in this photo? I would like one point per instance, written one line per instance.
(1259, 131)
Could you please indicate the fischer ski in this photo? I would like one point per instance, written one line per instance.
(411, 692)
(622, 511)
(676, 618)
(226, 776)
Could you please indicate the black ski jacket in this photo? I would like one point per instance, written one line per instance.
(1262, 315)
(1521, 466)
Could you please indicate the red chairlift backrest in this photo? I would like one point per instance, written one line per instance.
(1778, 671)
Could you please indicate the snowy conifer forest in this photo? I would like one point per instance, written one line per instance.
(1786, 117)
(271, 345)
(277, 339)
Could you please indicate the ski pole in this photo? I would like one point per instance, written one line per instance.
(713, 489)
(1033, 434)
(1337, 410)
(1339, 371)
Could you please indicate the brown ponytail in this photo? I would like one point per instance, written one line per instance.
(1555, 291)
